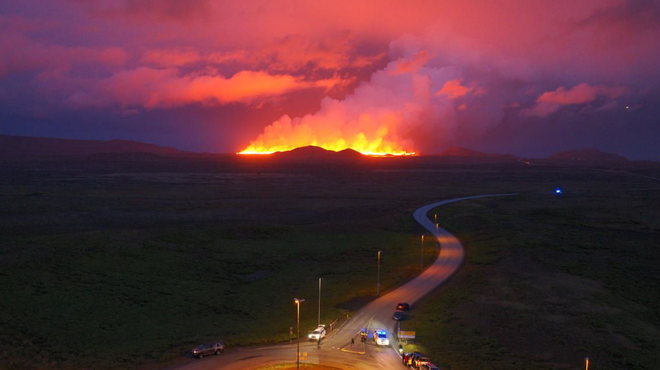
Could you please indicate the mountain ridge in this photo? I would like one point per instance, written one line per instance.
(462, 152)
(26, 146)
(587, 155)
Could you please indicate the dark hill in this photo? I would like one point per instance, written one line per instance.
(318, 154)
(469, 153)
(25, 146)
(588, 155)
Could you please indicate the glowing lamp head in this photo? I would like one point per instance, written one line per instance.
(558, 191)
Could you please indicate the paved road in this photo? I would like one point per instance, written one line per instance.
(337, 350)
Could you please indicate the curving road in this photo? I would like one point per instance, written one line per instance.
(336, 349)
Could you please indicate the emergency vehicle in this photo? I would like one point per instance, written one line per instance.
(381, 337)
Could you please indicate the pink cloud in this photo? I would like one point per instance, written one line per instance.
(413, 64)
(454, 89)
(150, 88)
(169, 57)
(580, 94)
(162, 10)
(300, 53)
(551, 101)
(164, 53)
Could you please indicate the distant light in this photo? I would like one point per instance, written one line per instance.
(627, 107)
(558, 191)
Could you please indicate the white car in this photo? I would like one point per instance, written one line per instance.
(381, 337)
(318, 333)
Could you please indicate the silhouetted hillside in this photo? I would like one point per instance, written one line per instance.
(587, 155)
(24, 146)
(318, 154)
(469, 153)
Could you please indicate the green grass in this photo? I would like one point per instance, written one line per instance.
(549, 281)
(106, 271)
(112, 299)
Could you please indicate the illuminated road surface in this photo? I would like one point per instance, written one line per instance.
(377, 314)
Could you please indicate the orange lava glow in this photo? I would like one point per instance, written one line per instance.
(370, 150)
(337, 126)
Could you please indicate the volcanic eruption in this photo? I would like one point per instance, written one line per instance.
(377, 119)
(367, 133)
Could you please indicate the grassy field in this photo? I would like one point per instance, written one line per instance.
(127, 272)
(550, 280)
(133, 264)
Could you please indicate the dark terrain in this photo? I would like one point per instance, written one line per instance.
(115, 260)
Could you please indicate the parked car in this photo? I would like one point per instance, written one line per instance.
(418, 360)
(403, 306)
(410, 360)
(421, 361)
(318, 333)
(208, 349)
(429, 366)
(398, 315)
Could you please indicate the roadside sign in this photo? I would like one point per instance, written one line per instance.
(406, 334)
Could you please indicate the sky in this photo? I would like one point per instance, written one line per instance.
(523, 77)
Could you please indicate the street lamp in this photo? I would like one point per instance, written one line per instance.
(319, 323)
(297, 302)
(436, 218)
(436, 227)
(378, 276)
(586, 363)
(421, 259)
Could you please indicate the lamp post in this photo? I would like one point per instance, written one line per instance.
(378, 276)
(297, 302)
(421, 259)
(436, 227)
(586, 363)
(435, 218)
(319, 323)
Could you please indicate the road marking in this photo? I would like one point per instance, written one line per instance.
(364, 349)
(356, 352)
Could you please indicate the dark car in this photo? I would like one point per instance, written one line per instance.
(403, 306)
(430, 366)
(398, 315)
(208, 349)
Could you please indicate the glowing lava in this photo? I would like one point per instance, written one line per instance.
(374, 144)
(336, 127)
(371, 150)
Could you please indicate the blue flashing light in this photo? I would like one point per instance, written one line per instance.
(558, 191)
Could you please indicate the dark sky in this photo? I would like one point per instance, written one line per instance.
(522, 77)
